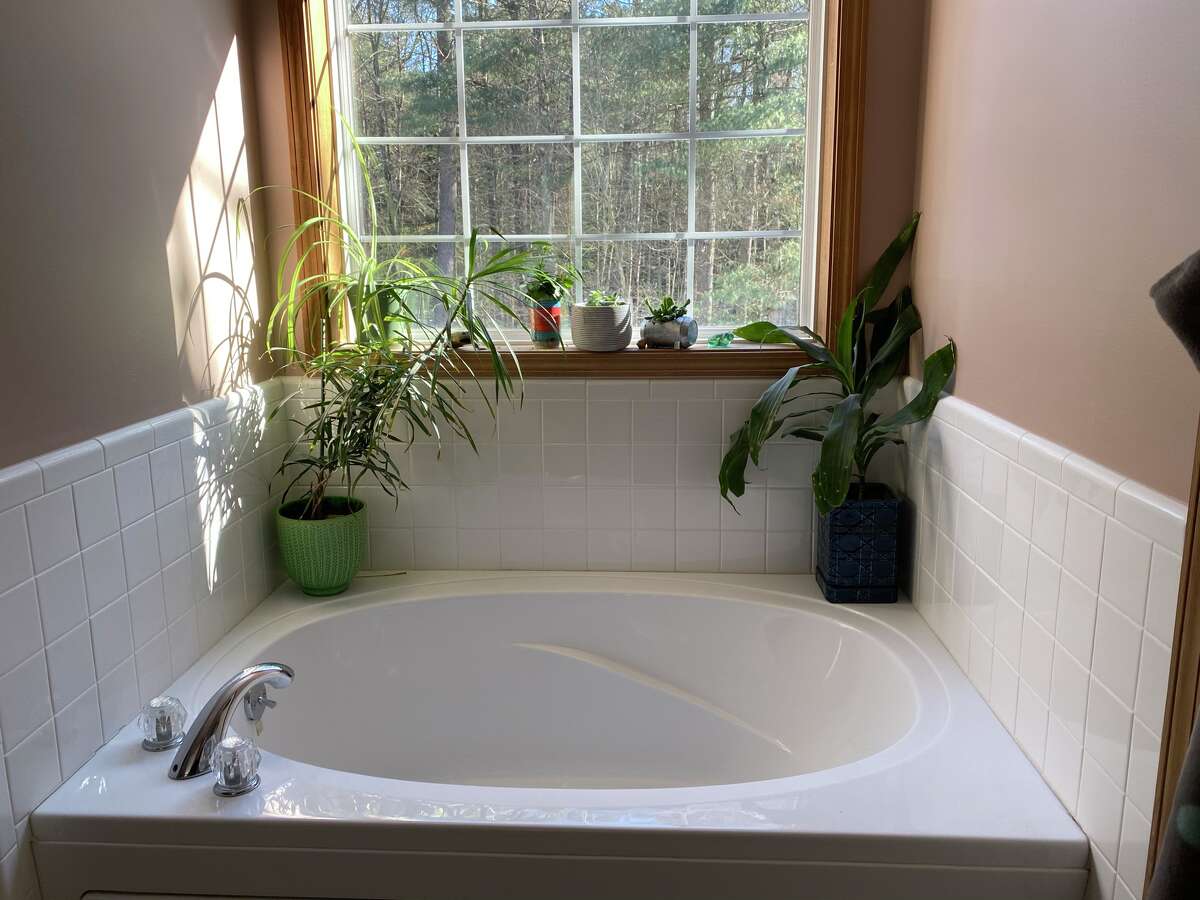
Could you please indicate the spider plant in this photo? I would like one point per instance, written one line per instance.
(387, 375)
(869, 346)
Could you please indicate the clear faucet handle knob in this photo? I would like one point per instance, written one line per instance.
(235, 761)
(162, 721)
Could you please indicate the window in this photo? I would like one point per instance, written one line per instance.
(664, 144)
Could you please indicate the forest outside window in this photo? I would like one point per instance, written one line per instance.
(662, 144)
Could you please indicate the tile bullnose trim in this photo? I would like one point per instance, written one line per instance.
(1155, 515)
(20, 483)
(1084, 613)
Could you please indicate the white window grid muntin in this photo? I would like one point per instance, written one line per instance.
(351, 177)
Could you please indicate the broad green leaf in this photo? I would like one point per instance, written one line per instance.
(732, 475)
(881, 273)
(764, 415)
(831, 477)
(805, 433)
(815, 347)
(762, 333)
(892, 352)
(938, 369)
(847, 339)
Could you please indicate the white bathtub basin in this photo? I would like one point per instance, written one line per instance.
(591, 690)
(586, 736)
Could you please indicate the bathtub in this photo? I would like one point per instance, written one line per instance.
(464, 735)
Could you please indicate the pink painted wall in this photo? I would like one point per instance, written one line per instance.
(1058, 170)
(130, 132)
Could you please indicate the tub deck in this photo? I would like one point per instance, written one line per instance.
(956, 811)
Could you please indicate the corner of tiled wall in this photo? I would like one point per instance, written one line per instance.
(1053, 582)
(122, 559)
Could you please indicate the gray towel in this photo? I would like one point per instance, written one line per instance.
(1177, 868)
(1177, 297)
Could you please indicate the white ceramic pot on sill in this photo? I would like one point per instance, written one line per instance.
(602, 328)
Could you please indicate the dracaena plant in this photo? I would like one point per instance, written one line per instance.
(387, 333)
(868, 347)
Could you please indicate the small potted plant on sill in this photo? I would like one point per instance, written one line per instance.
(858, 521)
(385, 373)
(668, 325)
(546, 292)
(602, 323)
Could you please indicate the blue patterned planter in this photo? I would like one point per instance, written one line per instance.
(857, 547)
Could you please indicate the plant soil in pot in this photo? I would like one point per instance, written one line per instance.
(857, 547)
(323, 554)
(603, 324)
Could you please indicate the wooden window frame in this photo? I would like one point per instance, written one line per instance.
(313, 142)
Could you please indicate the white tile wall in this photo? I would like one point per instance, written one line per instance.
(1053, 582)
(121, 560)
(602, 474)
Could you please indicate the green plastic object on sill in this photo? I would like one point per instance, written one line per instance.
(721, 341)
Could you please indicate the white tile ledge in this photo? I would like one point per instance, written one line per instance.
(1091, 482)
(125, 443)
(1042, 456)
(70, 464)
(19, 483)
(1155, 515)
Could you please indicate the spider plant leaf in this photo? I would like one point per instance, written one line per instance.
(831, 477)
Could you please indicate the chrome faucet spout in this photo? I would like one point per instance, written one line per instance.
(212, 721)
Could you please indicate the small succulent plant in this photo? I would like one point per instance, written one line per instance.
(667, 310)
(599, 298)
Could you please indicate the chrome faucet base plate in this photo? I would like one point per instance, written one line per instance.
(237, 790)
(160, 746)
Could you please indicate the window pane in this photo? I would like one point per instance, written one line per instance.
(749, 184)
(635, 187)
(634, 79)
(415, 189)
(404, 84)
(747, 7)
(745, 280)
(513, 10)
(396, 12)
(752, 75)
(518, 81)
(623, 8)
(521, 188)
(637, 270)
(432, 258)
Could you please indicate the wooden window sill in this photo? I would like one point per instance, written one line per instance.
(737, 361)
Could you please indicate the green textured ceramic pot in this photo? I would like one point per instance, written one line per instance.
(323, 555)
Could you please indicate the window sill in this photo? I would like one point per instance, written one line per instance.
(737, 361)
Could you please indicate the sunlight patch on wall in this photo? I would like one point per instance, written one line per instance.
(210, 252)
